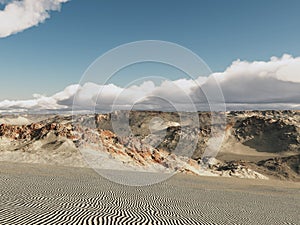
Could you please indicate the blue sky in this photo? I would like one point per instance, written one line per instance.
(46, 58)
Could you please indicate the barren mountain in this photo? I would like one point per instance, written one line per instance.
(256, 144)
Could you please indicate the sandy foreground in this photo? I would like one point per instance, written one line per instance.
(40, 194)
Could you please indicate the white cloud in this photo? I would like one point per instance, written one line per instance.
(274, 81)
(274, 84)
(20, 15)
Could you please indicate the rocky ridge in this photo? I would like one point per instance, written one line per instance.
(153, 142)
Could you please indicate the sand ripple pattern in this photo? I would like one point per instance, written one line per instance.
(33, 195)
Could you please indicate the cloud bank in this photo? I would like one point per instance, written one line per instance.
(274, 84)
(20, 15)
(275, 81)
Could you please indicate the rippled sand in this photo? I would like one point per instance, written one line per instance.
(38, 194)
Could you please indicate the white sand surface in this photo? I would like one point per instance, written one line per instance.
(39, 194)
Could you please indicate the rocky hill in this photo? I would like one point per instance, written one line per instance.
(256, 144)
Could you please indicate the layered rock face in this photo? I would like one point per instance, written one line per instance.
(256, 144)
(269, 134)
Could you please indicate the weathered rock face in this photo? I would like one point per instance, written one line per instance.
(173, 132)
(160, 139)
(285, 167)
(268, 134)
(35, 131)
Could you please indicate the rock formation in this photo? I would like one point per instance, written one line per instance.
(257, 144)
